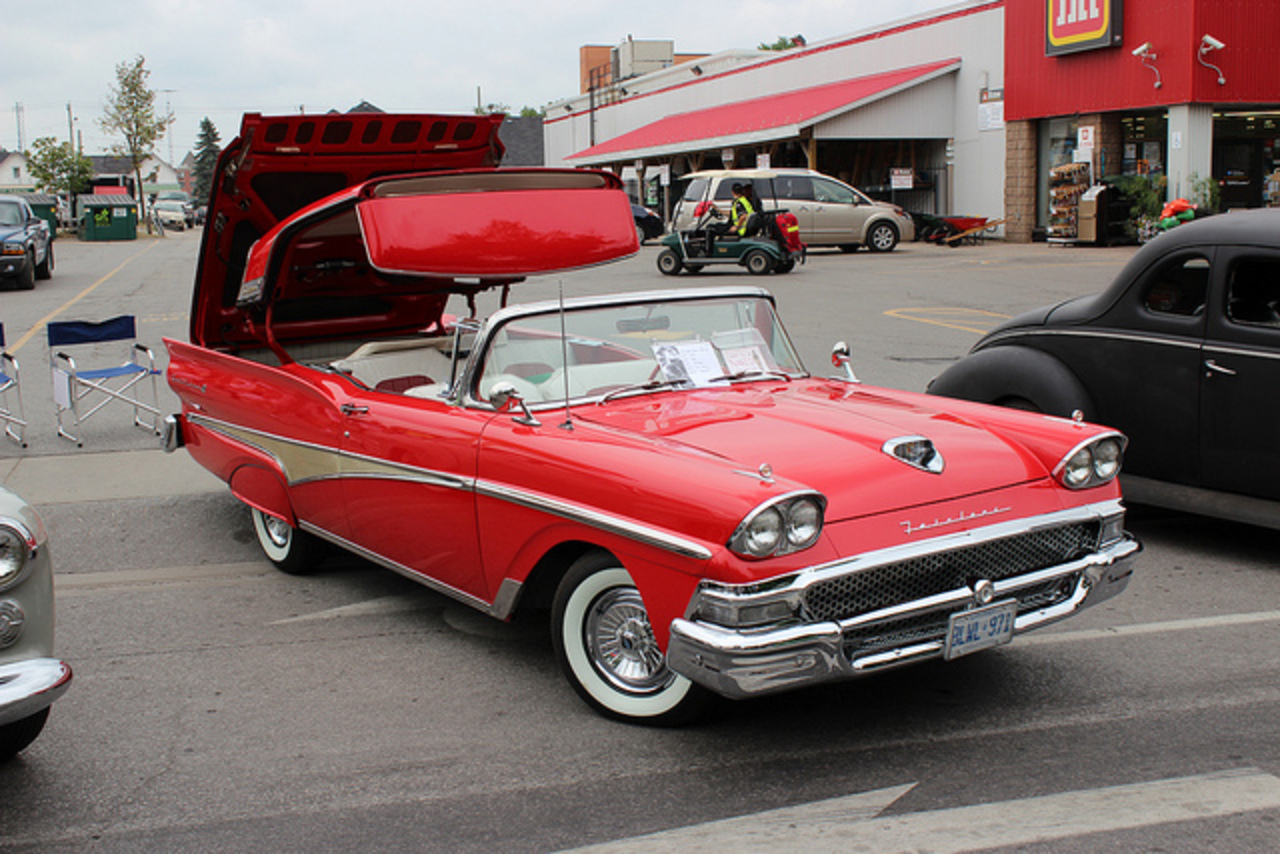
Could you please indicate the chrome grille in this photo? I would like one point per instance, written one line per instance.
(940, 572)
(895, 634)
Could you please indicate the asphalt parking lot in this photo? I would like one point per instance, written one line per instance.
(219, 705)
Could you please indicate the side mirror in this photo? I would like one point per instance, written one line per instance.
(840, 358)
(505, 397)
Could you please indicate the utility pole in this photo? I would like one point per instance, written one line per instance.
(20, 122)
(169, 126)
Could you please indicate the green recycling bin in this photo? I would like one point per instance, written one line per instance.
(45, 207)
(108, 217)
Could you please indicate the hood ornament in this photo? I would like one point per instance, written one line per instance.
(915, 451)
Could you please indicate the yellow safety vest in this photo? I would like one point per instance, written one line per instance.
(742, 214)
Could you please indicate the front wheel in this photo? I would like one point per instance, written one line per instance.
(668, 262)
(758, 262)
(292, 551)
(27, 276)
(606, 647)
(44, 270)
(882, 237)
(16, 736)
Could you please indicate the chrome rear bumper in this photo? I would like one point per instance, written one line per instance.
(740, 663)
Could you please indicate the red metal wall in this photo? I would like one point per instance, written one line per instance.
(1110, 79)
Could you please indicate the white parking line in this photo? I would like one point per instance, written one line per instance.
(1189, 624)
(841, 824)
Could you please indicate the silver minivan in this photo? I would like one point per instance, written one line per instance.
(831, 213)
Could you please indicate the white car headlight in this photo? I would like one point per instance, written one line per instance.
(14, 553)
(780, 526)
(1092, 463)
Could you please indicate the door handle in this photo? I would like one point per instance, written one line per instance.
(1214, 368)
(352, 409)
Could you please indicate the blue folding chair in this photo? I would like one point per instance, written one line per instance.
(13, 417)
(119, 381)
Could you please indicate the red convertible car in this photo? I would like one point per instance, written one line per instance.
(699, 514)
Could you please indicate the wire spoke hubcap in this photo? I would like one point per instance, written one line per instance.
(621, 644)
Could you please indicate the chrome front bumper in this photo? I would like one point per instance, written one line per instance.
(740, 663)
(26, 687)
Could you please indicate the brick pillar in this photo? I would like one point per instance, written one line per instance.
(1020, 181)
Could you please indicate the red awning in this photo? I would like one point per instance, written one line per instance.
(765, 119)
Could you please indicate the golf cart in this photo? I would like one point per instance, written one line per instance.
(771, 243)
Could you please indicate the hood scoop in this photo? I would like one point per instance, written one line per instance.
(916, 451)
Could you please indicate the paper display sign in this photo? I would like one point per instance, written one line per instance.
(692, 362)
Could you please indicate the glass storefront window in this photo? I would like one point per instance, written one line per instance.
(1057, 145)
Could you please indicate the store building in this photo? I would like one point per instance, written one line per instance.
(1187, 91)
(908, 112)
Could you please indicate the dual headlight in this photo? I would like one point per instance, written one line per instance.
(780, 526)
(15, 551)
(1093, 463)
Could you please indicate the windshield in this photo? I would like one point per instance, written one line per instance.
(610, 350)
(10, 215)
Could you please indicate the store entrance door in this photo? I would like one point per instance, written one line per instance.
(1237, 166)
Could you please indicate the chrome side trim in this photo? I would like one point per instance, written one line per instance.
(1082, 333)
(1259, 353)
(324, 463)
(594, 519)
(400, 569)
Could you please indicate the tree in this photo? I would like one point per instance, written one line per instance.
(130, 112)
(58, 167)
(487, 109)
(783, 43)
(207, 151)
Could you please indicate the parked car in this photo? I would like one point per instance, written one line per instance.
(172, 214)
(189, 216)
(27, 243)
(649, 225)
(699, 514)
(1181, 352)
(830, 212)
(31, 679)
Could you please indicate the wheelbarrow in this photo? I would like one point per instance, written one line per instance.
(955, 230)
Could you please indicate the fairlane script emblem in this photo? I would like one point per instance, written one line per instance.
(910, 528)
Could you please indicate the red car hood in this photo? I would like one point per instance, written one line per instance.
(830, 437)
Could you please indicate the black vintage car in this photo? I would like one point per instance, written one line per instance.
(1181, 353)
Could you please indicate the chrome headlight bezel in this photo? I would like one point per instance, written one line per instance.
(1094, 462)
(17, 546)
(782, 525)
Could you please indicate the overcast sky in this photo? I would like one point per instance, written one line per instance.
(222, 58)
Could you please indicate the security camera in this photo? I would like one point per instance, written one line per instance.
(1208, 42)
(1142, 49)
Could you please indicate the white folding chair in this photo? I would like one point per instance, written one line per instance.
(78, 386)
(11, 415)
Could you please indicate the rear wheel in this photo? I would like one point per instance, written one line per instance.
(882, 237)
(786, 266)
(45, 269)
(758, 262)
(605, 644)
(16, 736)
(292, 551)
(668, 262)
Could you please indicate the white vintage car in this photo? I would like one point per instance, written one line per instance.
(31, 679)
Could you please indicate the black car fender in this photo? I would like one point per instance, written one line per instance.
(1016, 376)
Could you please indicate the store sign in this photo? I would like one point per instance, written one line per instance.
(1075, 25)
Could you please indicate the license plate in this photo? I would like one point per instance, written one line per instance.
(981, 628)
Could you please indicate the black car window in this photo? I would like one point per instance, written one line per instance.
(831, 192)
(1179, 287)
(1253, 295)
